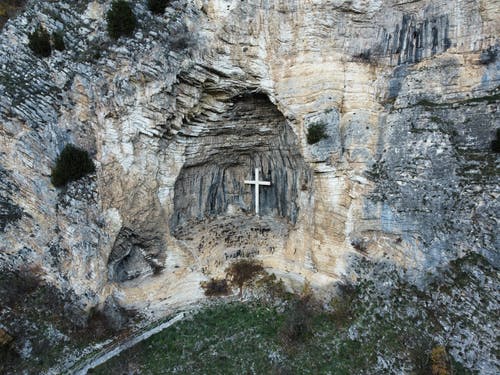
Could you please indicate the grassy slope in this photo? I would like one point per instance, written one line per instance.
(370, 331)
(45, 324)
(241, 339)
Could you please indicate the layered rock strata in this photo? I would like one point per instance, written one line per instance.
(178, 116)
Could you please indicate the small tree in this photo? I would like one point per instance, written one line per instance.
(99, 324)
(72, 164)
(39, 42)
(316, 132)
(121, 19)
(157, 6)
(58, 41)
(243, 272)
(215, 287)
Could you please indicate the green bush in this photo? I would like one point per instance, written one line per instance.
(39, 42)
(316, 132)
(72, 164)
(58, 41)
(157, 6)
(495, 144)
(121, 19)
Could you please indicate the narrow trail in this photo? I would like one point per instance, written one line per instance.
(113, 350)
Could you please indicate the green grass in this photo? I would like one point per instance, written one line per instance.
(244, 339)
(239, 338)
(226, 339)
(400, 324)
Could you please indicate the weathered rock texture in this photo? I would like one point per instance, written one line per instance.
(177, 116)
(221, 154)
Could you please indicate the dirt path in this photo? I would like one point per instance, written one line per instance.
(109, 352)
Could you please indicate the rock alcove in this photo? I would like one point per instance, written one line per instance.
(222, 150)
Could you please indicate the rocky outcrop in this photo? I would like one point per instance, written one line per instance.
(9, 212)
(178, 116)
(133, 255)
(449, 145)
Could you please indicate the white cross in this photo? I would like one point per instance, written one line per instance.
(256, 182)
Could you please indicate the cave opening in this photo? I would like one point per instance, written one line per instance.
(224, 153)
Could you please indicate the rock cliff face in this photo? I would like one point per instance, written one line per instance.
(179, 115)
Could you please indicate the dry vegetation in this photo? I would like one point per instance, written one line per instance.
(36, 315)
(366, 330)
(9, 8)
(243, 272)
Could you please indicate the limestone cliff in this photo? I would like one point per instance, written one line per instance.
(179, 115)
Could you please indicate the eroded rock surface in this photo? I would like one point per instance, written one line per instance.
(178, 116)
(133, 255)
(222, 151)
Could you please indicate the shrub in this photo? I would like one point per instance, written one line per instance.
(489, 55)
(39, 42)
(72, 164)
(157, 6)
(5, 338)
(365, 56)
(30, 279)
(273, 287)
(121, 19)
(297, 325)
(439, 361)
(360, 244)
(180, 38)
(215, 287)
(418, 351)
(342, 305)
(179, 42)
(58, 41)
(93, 52)
(316, 132)
(495, 144)
(243, 272)
(98, 324)
(15, 286)
(8, 9)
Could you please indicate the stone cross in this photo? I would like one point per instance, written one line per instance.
(256, 182)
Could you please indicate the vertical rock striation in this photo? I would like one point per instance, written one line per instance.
(178, 116)
(222, 150)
